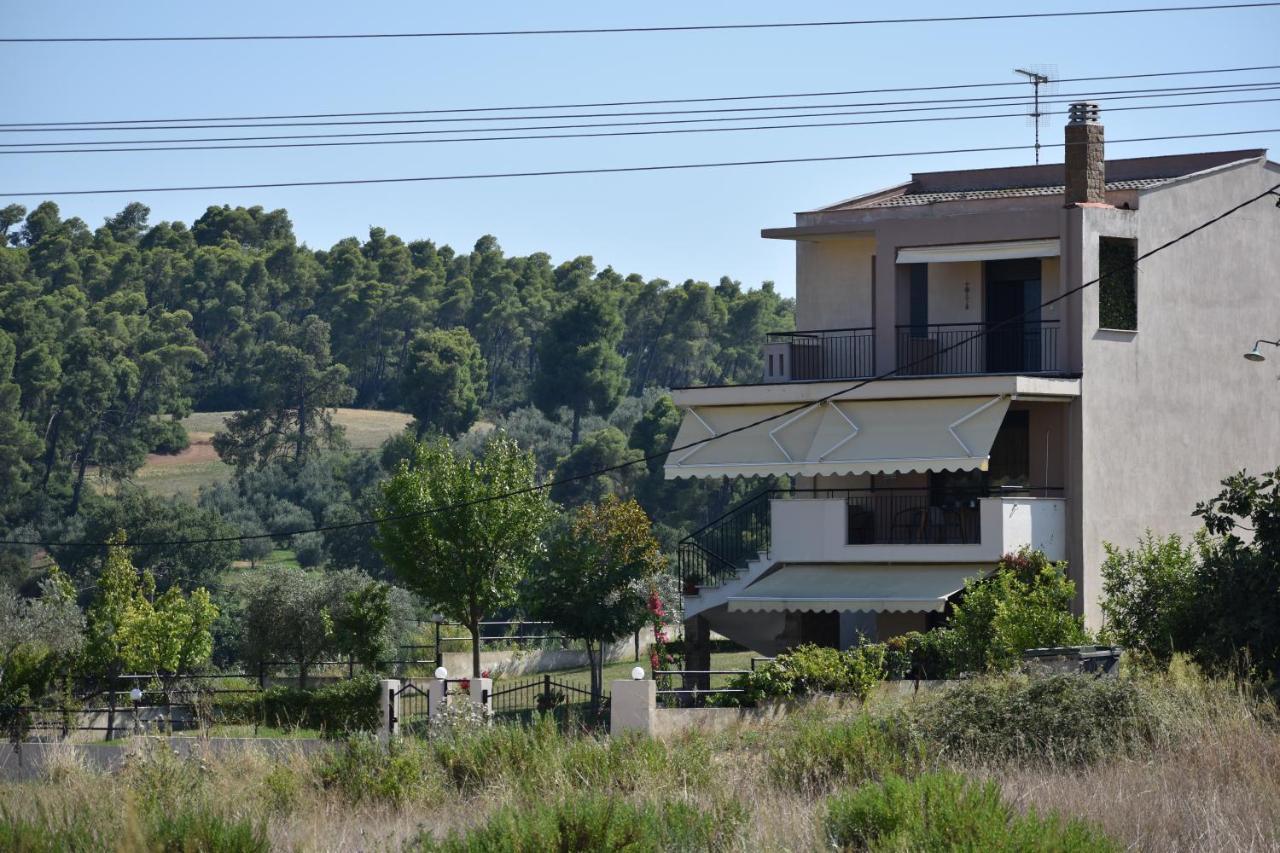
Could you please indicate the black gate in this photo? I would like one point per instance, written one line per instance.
(415, 710)
(566, 700)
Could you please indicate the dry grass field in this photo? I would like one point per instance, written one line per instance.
(184, 473)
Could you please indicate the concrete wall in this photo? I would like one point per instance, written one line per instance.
(1169, 410)
(524, 662)
(833, 283)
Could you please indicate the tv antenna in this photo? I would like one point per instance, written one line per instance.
(1036, 81)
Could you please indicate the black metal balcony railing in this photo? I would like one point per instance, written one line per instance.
(718, 551)
(829, 354)
(974, 348)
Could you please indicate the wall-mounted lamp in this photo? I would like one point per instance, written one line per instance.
(1255, 354)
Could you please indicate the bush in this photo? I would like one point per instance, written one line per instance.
(806, 670)
(595, 822)
(364, 770)
(335, 709)
(817, 754)
(1025, 604)
(1071, 719)
(1148, 596)
(944, 811)
(199, 830)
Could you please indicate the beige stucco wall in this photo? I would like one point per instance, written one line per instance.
(1168, 411)
(833, 283)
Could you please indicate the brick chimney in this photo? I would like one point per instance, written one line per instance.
(1086, 164)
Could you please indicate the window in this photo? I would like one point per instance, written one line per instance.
(1118, 284)
(919, 300)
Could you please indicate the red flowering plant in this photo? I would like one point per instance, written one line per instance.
(660, 656)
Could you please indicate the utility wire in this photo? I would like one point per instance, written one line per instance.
(940, 19)
(888, 374)
(828, 111)
(702, 100)
(992, 100)
(669, 167)
(145, 145)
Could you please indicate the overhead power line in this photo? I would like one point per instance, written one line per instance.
(888, 374)
(913, 103)
(667, 167)
(651, 101)
(559, 31)
(143, 146)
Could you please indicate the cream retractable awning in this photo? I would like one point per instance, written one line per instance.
(1006, 251)
(838, 437)
(854, 588)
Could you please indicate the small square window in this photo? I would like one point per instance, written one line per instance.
(1118, 284)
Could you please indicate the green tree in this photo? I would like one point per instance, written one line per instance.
(1148, 596)
(1024, 604)
(1236, 588)
(467, 560)
(363, 623)
(594, 582)
(579, 364)
(299, 386)
(443, 381)
(19, 446)
(288, 617)
(34, 634)
(599, 451)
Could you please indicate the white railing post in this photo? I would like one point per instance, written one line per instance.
(482, 693)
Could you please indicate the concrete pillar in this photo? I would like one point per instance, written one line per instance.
(482, 692)
(389, 708)
(435, 696)
(632, 706)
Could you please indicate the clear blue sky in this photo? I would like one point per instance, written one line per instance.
(680, 225)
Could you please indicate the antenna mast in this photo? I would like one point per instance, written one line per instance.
(1036, 81)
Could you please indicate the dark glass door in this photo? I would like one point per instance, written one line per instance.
(1013, 316)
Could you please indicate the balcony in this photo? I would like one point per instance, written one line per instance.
(967, 349)
(873, 526)
(827, 354)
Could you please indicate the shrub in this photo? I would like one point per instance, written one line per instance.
(1072, 719)
(944, 811)
(809, 669)
(362, 769)
(199, 830)
(1025, 604)
(336, 709)
(817, 754)
(1148, 595)
(595, 822)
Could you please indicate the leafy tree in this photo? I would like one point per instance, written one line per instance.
(1024, 604)
(288, 617)
(363, 623)
(155, 523)
(600, 450)
(444, 381)
(1148, 596)
(34, 633)
(130, 628)
(19, 446)
(594, 581)
(468, 560)
(579, 362)
(292, 415)
(1236, 588)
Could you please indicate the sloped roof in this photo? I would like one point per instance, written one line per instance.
(1134, 173)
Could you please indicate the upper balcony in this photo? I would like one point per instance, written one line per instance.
(938, 349)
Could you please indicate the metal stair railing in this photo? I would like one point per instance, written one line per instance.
(725, 546)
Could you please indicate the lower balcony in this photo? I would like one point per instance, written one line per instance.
(916, 525)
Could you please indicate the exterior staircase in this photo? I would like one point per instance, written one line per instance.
(722, 557)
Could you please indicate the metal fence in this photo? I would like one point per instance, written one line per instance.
(829, 354)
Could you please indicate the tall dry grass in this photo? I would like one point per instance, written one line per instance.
(1208, 778)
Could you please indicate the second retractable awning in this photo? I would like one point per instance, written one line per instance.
(837, 437)
(856, 588)
(1010, 250)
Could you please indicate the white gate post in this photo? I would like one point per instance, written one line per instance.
(435, 697)
(482, 693)
(389, 707)
(633, 704)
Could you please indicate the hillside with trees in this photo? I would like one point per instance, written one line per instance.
(110, 336)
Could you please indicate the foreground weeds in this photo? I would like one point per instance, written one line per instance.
(1150, 763)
